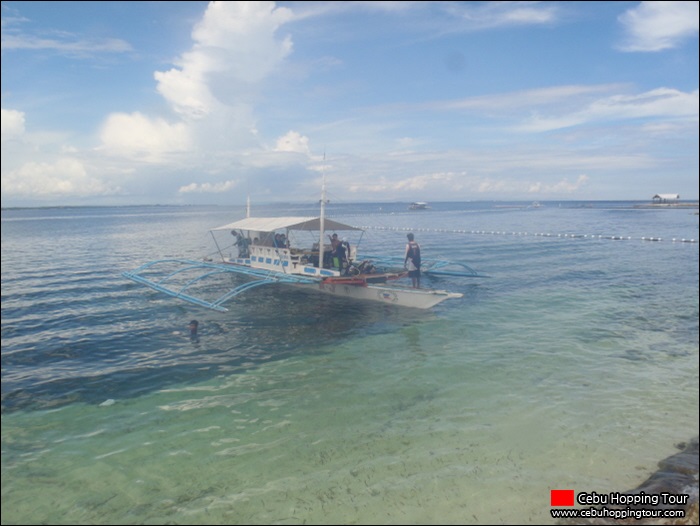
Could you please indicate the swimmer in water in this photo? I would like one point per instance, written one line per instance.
(194, 325)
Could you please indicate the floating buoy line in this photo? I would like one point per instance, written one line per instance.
(528, 234)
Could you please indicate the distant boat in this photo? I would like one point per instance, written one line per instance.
(419, 205)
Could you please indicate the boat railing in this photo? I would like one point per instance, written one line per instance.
(271, 258)
(294, 261)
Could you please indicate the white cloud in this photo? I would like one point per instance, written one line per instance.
(213, 91)
(69, 46)
(208, 188)
(139, 137)
(488, 15)
(655, 26)
(234, 45)
(12, 124)
(662, 103)
(66, 43)
(240, 37)
(186, 90)
(447, 184)
(410, 184)
(562, 187)
(658, 102)
(507, 102)
(293, 142)
(557, 107)
(64, 178)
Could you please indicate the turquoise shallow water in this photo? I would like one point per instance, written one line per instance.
(574, 365)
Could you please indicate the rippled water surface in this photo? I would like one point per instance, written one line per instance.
(573, 365)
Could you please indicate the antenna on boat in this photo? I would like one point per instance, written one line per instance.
(247, 207)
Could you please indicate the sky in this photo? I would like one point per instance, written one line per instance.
(135, 103)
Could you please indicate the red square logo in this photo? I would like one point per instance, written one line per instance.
(562, 497)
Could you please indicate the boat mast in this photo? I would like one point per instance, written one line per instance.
(321, 233)
(247, 207)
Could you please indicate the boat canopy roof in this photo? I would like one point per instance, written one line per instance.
(271, 224)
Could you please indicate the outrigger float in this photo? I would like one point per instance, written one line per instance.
(296, 263)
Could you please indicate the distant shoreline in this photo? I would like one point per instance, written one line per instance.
(585, 203)
(668, 205)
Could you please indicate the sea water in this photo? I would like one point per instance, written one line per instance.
(574, 364)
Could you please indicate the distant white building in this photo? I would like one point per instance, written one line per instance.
(666, 198)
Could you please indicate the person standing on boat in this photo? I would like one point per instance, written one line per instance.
(340, 256)
(334, 242)
(242, 243)
(328, 256)
(348, 254)
(411, 261)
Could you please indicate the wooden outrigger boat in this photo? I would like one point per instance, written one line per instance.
(296, 263)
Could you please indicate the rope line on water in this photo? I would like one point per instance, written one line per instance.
(536, 234)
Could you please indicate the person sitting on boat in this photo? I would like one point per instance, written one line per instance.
(411, 261)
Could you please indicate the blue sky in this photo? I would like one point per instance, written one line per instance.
(121, 103)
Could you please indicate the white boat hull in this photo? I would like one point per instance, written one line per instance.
(404, 297)
(278, 260)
